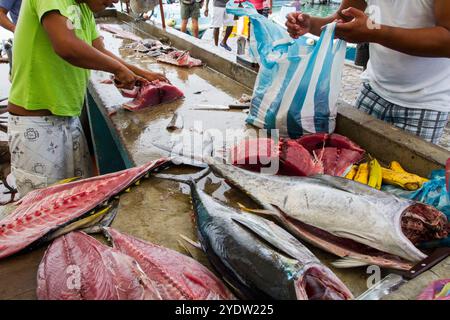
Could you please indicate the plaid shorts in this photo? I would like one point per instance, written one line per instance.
(427, 124)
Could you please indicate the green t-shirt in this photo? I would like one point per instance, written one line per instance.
(40, 78)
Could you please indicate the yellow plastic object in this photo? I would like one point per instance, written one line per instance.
(66, 181)
(404, 180)
(240, 28)
(362, 176)
(375, 174)
(352, 173)
(395, 166)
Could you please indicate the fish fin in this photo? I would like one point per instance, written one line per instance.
(193, 243)
(107, 219)
(64, 181)
(181, 244)
(349, 262)
(185, 178)
(264, 212)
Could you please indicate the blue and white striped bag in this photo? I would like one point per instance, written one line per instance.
(298, 82)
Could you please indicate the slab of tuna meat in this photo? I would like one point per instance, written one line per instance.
(151, 94)
(297, 161)
(316, 141)
(78, 267)
(180, 58)
(336, 160)
(176, 276)
(293, 159)
(46, 210)
(254, 154)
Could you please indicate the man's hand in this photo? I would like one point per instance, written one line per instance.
(298, 24)
(125, 78)
(152, 76)
(357, 30)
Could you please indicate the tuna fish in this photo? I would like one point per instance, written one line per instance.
(151, 94)
(259, 258)
(180, 58)
(119, 33)
(343, 217)
(176, 276)
(78, 267)
(42, 212)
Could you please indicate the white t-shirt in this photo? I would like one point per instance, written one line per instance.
(402, 79)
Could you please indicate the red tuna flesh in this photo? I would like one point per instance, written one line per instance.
(152, 94)
(316, 141)
(45, 210)
(78, 267)
(339, 141)
(176, 276)
(254, 154)
(336, 161)
(181, 59)
(297, 161)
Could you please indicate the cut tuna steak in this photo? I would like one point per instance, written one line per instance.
(176, 276)
(294, 160)
(181, 59)
(297, 161)
(151, 94)
(341, 142)
(46, 210)
(254, 154)
(313, 141)
(78, 267)
(336, 161)
(316, 141)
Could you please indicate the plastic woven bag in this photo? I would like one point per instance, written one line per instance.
(299, 80)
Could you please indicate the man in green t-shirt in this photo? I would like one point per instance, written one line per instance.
(56, 45)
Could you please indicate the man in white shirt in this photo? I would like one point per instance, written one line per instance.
(407, 81)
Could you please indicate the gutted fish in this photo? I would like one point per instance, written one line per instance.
(42, 212)
(176, 276)
(341, 216)
(78, 267)
(151, 94)
(259, 258)
(181, 59)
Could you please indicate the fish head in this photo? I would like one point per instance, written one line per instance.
(317, 282)
(99, 5)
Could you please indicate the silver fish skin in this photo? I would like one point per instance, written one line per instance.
(339, 206)
(289, 272)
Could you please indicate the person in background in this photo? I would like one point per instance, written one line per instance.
(190, 9)
(220, 19)
(56, 43)
(13, 8)
(407, 81)
(262, 6)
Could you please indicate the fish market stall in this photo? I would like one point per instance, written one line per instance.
(160, 210)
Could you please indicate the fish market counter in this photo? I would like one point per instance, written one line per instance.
(160, 211)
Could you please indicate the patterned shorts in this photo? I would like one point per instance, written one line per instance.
(427, 124)
(45, 150)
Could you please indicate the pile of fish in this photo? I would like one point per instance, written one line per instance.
(44, 214)
(180, 59)
(151, 94)
(358, 223)
(257, 257)
(78, 267)
(330, 154)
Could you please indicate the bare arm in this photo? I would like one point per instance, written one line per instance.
(299, 24)
(150, 76)
(424, 42)
(78, 53)
(5, 22)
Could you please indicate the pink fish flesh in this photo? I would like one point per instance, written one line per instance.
(181, 59)
(78, 267)
(176, 276)
(151, 94)
(46, 210)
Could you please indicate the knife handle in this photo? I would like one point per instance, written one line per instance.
(433, 259)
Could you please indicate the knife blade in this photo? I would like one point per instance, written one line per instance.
(395, 280)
